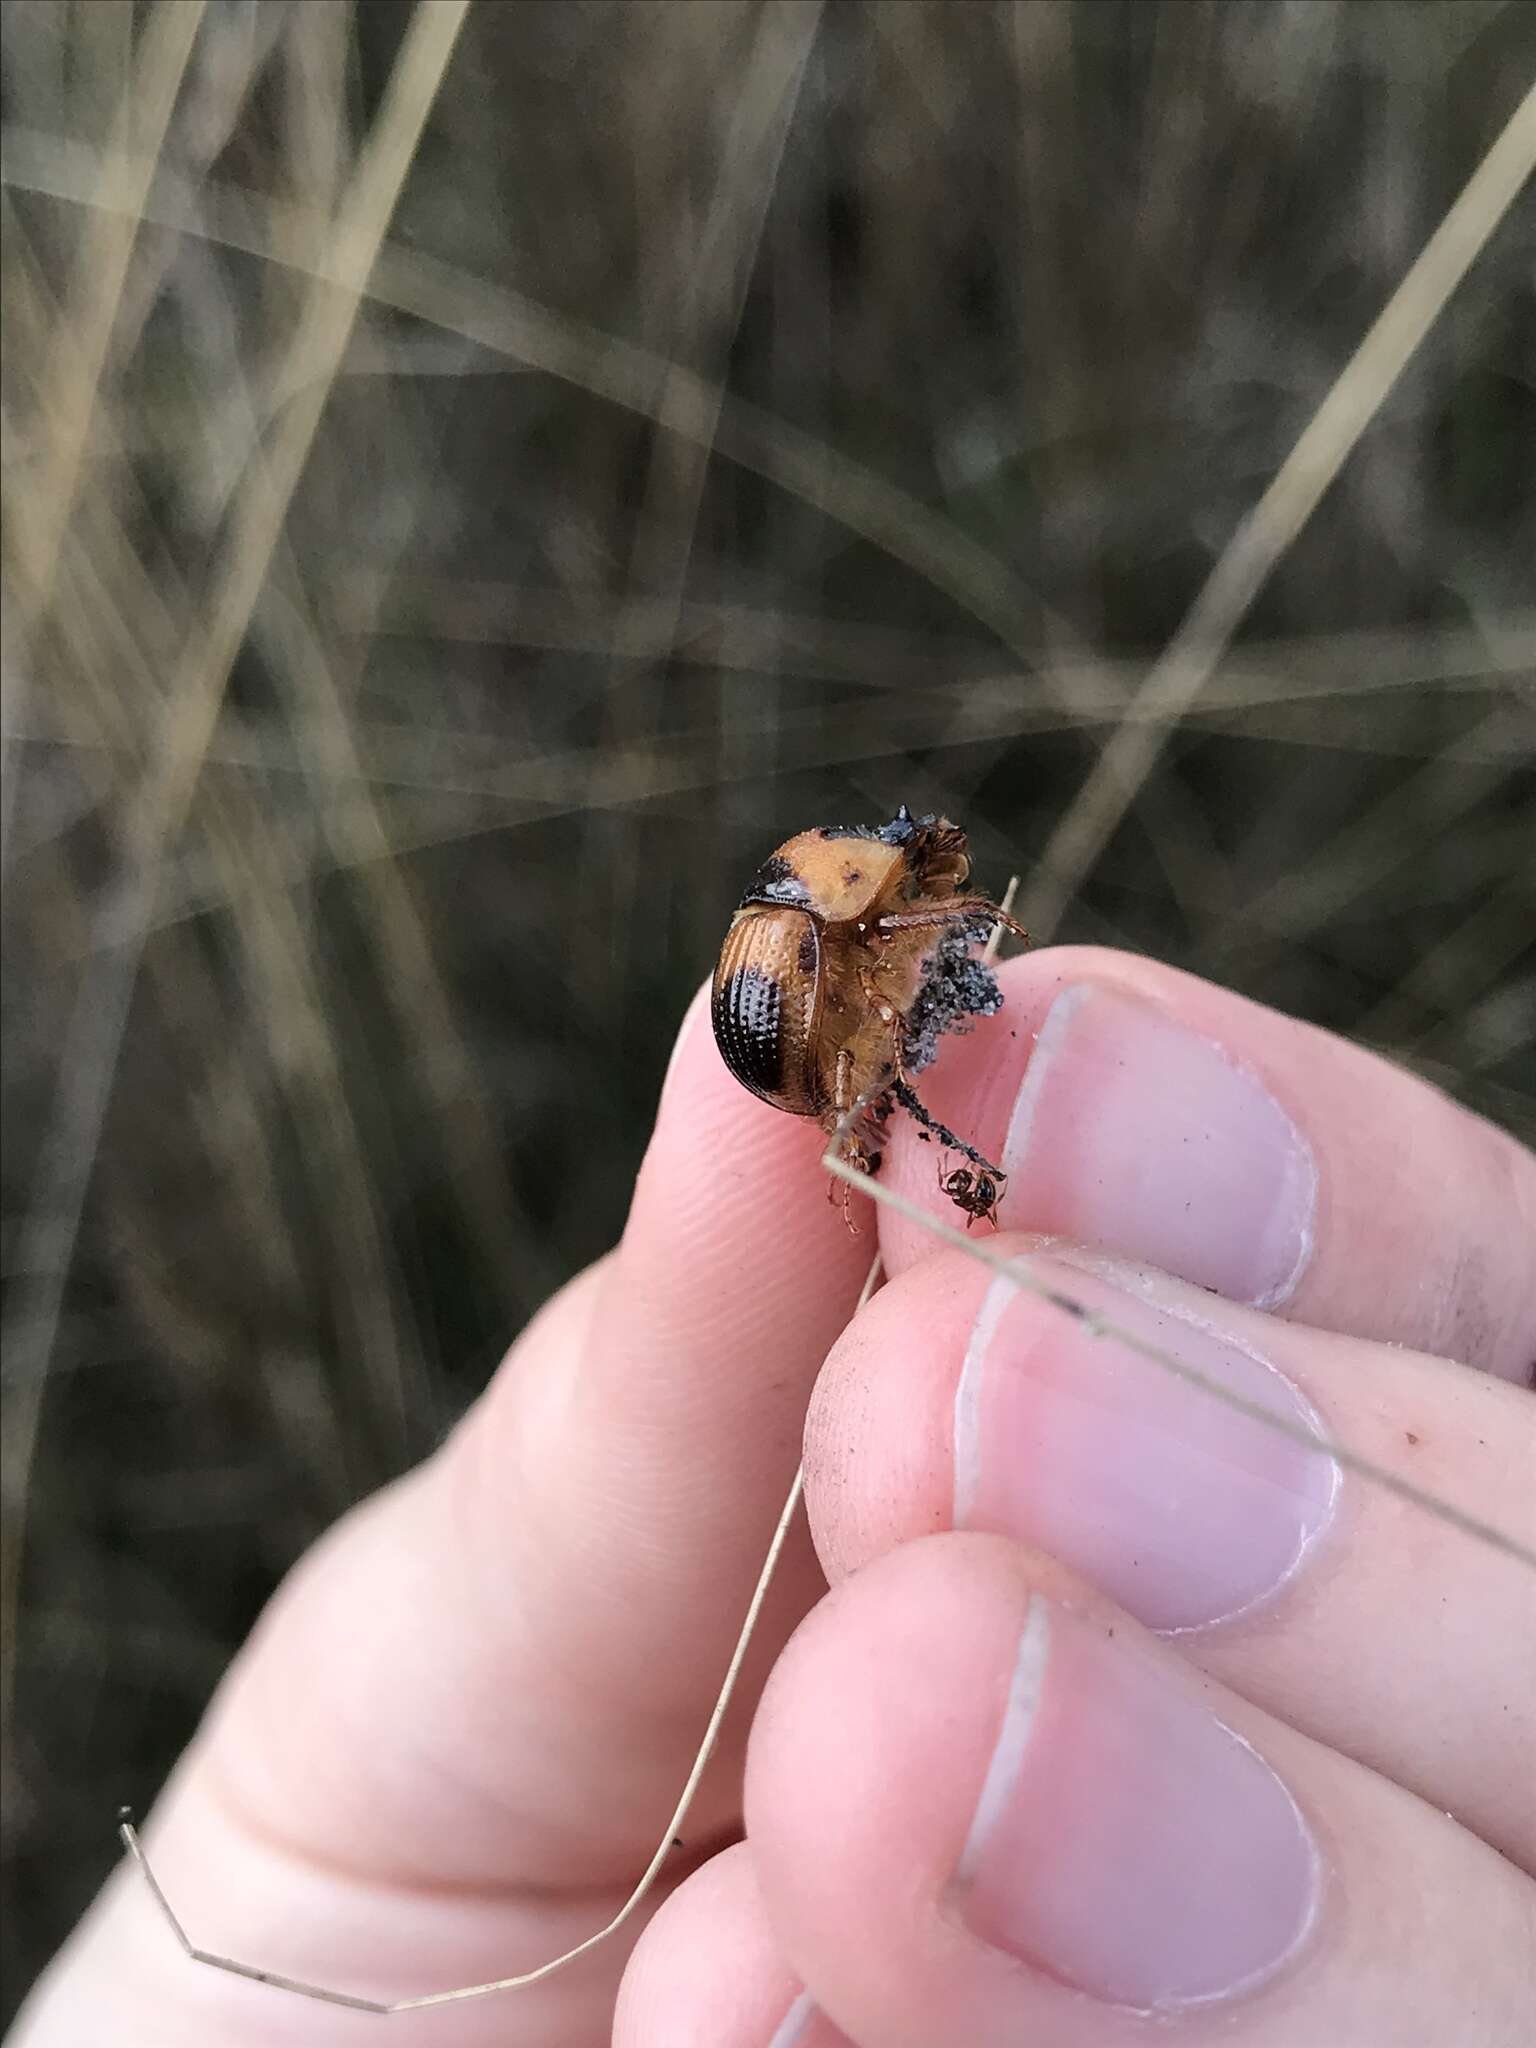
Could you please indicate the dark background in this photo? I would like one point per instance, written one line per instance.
(1016, 309)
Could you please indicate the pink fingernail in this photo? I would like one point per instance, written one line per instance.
(796, 2023)
(1126, 1841)
(1183, 1509)
(1137, 1134)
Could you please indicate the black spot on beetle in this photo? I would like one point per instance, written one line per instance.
(808, 952)
(747, 1011)
(904, 826)
(776, 882)
(896, 832)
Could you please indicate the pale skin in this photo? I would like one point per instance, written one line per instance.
(451, 1741)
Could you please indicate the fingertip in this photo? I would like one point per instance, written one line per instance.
(867, 1758)
(973, 1087)
(708, 1973)
(980, 1803)
(734, 1182)
(879, 1464)
(687, 1031)
(1178, 1124)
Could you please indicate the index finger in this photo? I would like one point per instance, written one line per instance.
(454, 1739)
(1166, 1120)
(595, 1526)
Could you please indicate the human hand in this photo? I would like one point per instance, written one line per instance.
(983, 1803)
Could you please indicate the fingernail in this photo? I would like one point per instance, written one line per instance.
(1126, 1842)
(1134, 1133)
(1184, 1510)
(794, 2026)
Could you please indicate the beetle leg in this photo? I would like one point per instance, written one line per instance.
(954, 910)
(869, 988)
(853, 1150)
(902, 1089)
(857, 1123)
(842, 1083)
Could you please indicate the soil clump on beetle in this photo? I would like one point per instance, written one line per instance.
(955, 988)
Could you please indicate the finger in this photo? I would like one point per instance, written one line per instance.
(581, 1552)
(981, 1809)
(709, 1974)
(956, 1401)
(1164, 1119)
(487, 1685)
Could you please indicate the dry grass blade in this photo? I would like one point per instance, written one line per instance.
(106, 244)
(716, 289)
(312, 361)
(1393, 830)
(1020, 1272)
(89, 1056)
(1176, 679)
(324, 1995)
(514, 325)
(758, 413)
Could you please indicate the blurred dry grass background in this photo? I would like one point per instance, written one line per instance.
(757, 414)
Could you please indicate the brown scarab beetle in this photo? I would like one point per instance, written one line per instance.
(850, 954)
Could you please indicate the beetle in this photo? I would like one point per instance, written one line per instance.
(850, 954)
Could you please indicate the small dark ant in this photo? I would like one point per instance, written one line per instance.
(975, 1191)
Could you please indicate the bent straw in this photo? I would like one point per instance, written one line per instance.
(326, 1996)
